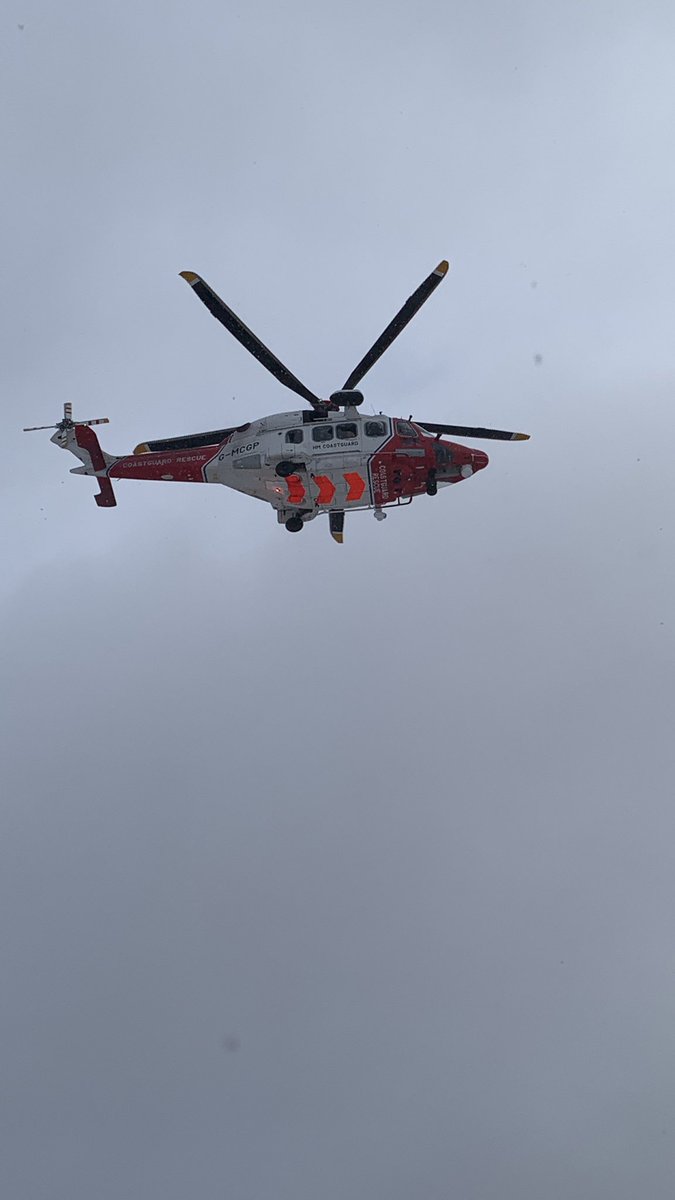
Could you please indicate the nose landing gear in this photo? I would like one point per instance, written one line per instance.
(432, 486)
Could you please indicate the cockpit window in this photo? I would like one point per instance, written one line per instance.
(322, 433)
(405, 429)
(347, 430)
(295, 436)
(376, 429)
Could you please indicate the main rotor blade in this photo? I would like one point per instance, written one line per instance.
(248, 339)
(501, 435)
(406, 314)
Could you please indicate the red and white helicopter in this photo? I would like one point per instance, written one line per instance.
(327, 458)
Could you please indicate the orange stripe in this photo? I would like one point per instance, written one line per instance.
(296, 489)
(356, 486)
(326, 489)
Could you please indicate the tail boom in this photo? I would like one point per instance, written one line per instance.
(183, 466)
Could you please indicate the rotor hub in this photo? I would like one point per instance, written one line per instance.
(347, 398)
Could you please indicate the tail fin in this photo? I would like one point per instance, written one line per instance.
(83, 442)
(80, 439)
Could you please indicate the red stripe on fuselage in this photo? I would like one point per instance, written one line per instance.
(396, 474)
(182, 466)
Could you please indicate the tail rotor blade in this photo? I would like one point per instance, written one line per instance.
(67, 421)
(405, 314)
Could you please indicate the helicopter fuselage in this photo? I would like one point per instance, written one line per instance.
(304, 463)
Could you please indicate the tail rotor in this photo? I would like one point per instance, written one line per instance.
(67, 422)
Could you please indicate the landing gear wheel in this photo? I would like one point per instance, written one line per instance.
(294, 524)
(432, 486)
(285, 468)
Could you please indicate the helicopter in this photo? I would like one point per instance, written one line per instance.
(326, 458)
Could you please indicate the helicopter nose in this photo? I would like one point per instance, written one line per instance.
(475, 461)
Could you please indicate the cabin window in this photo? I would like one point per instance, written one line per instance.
(322, 433)
(347, 430)
(405, 429)
(376, 429)
(295, 436)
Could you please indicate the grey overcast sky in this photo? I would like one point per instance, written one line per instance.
(340, 872)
